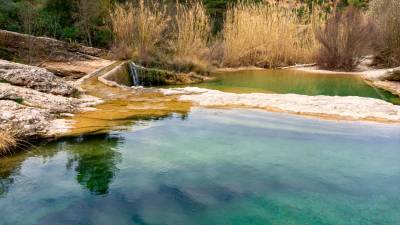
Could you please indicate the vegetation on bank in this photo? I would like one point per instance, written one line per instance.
(197, 35)
(344, 38)
(7, 143)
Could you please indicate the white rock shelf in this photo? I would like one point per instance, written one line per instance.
(332, 107)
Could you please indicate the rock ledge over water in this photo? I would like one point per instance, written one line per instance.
(33, 101)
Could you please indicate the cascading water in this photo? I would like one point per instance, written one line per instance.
(134, 74)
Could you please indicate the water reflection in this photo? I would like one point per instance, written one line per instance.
(95, 163)
(215, 167)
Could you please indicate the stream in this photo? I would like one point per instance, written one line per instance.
(152, 160)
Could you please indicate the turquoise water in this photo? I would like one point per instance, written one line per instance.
(296, 82)
(213, 166)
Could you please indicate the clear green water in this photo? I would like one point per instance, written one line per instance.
(297, 82)
(239, 167)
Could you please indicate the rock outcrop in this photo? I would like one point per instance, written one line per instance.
(33, 100)
(18, 42)
(35, 78)
(391, 75)
(68, 60)
(23, 121)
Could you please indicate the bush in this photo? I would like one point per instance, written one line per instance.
(344, 38)
(267, 35)
(386, 15)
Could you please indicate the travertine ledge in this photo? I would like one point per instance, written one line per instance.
(335, 107)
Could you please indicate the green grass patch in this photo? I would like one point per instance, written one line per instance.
(18, 100)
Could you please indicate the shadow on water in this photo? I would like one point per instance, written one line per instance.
(93, 158)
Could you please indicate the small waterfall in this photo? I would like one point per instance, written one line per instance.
(134, 74)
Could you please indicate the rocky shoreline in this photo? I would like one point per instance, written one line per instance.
(38, 102)
(33, 101)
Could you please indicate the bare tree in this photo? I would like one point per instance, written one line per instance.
(28, 14)
(87, 10)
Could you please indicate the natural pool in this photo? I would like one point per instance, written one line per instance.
(296, 82)
(211, 166)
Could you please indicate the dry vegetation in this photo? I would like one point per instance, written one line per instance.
(386, 15)
(267, 35)
(190, 35)
(344, 38)
(139, 29)
(7, 143)
(149, 33)
(262, 34)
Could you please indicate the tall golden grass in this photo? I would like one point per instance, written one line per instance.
(190, 34)
(267, 34)
(138, 29)
(149, 33)
(7, 143)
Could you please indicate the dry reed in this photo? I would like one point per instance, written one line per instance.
(7, 143)
(267, 34)
(190, 35)
(138, 29)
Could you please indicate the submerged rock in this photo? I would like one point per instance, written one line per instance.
(35, 78)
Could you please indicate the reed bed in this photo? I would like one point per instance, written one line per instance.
(139, 29)
(267, 34)
(190, 35)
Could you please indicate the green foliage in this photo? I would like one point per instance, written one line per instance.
(154, 77)
(70, 20)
